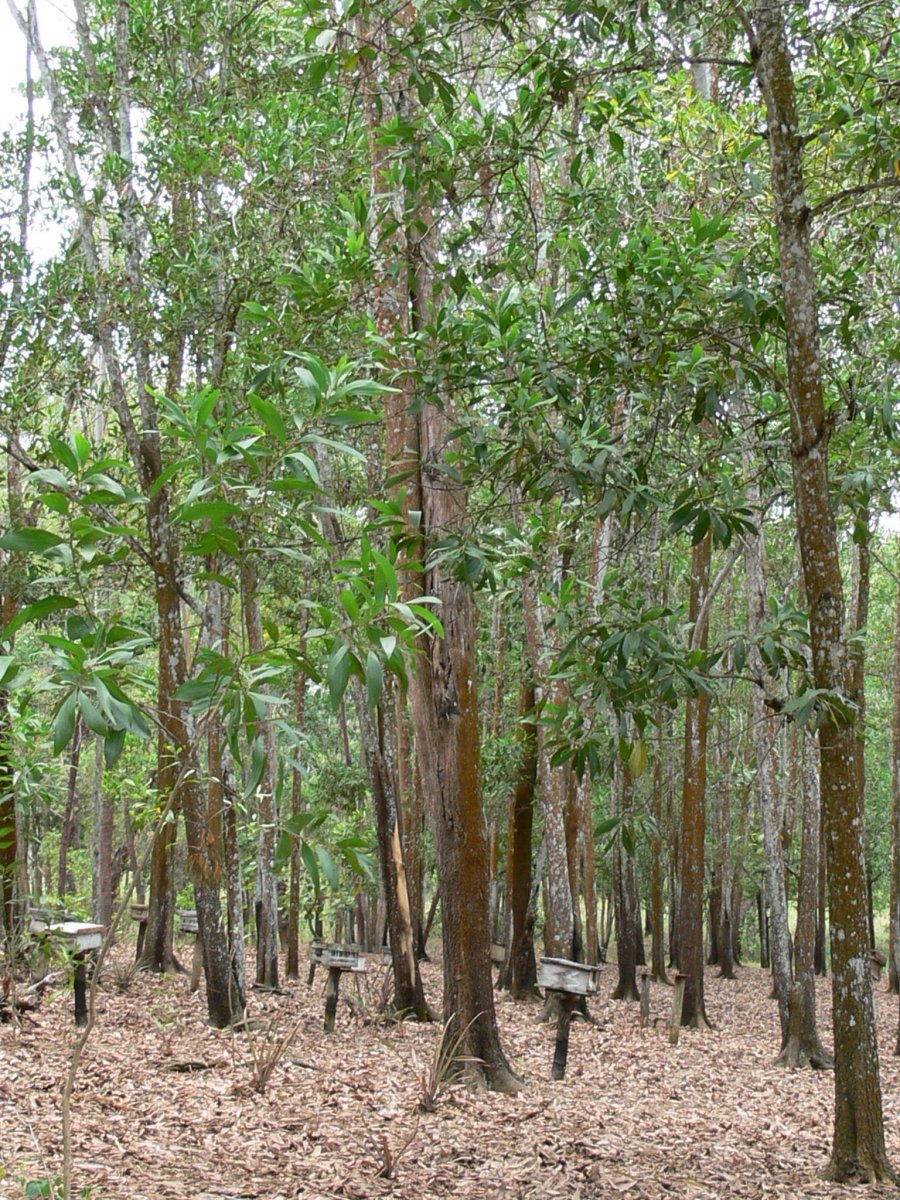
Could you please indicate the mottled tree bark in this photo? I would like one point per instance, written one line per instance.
(101, 843)
(68, 832)
(266, 891)
(292, 963)
(763, 735)
(858, 1149)
(625, 891)
(689, 946)
(521, 974)
(894, 946)
(801, 1043)
(658, 947)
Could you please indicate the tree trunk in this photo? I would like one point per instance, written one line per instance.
(625, 890)
(292, 964)
(67, 833)
(657, 946)
(763, 733)
(858, 1149)
(894, 944)
(693, 807)
(266, 893)
(559, 927)
(801, 1044)
(762, 922)
(522, 973)
(102, 897)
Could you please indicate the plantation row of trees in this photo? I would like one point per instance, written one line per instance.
(452, 409)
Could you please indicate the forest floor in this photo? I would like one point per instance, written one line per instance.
(164, 1107)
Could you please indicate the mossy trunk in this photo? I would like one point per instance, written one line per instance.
(858, 1148)
(689, 947)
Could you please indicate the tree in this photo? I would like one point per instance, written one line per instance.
(858, 1149)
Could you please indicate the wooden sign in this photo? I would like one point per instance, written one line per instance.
(337, 955)
(562, 975)
(187, 921)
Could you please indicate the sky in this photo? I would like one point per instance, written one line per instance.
(56, 23)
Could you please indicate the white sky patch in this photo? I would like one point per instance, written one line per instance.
(56, 22)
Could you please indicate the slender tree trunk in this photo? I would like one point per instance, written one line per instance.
(894, 945)
(693, 807)
(158, 951)
(559, 928)
(625, 892)
(292, 965)
(102, 897)
(522, 974)
(726, 932)
(588, 867)
(858, 1149)
(657, 873)
(801, 1044)
(763, 735)
(67, 834)
(445, 719)
(266, 907)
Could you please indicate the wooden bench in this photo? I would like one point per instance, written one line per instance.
(188, 923)
(139, 913)
(78, 939)
(336, 957)
(569, 980)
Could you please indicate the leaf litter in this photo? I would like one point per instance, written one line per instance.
(167, 1108)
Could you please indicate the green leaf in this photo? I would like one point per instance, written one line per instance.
(349, 604)
(34, 612)
(30, 540)
(312, 866)
(64, 723)
(257, 766)
(217, 511)
(374, 678)
(269, 415)
(329, 868)
(113, 744)
(164, 476)
(8, 669)
(93, 718)
(52, 476)
(64, 454)
(337, 673)
(81, 446)
(346, 416)
(282, 852)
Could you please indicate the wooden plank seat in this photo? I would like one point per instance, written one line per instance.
(78, 939)
(336, 957)
(569, 980)
(188, 923)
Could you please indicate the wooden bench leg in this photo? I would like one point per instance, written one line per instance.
(331, 997)
(79, 985)
(196, 963)
(563, 1024)
(139, 949)
(677, 1005)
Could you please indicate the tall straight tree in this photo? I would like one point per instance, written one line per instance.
(858, 1148)
(443, 692)
(894, 945)
(134, 404)
(689, 944)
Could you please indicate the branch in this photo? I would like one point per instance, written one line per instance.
(889, 181)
